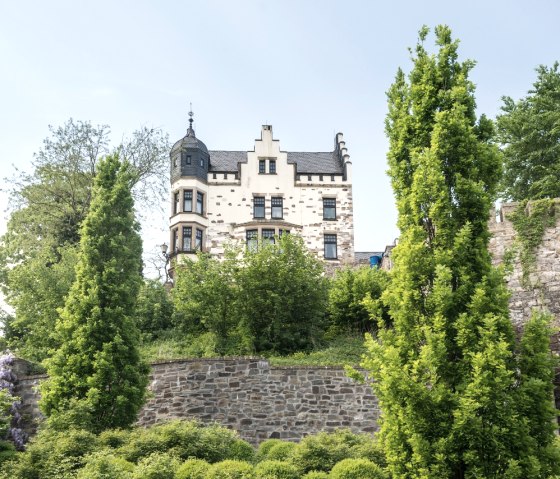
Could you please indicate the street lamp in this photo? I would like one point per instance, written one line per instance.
(167, 258)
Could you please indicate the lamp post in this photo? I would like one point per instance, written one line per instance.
(167, 257)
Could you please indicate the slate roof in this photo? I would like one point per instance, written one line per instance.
(306, 162)
(363, 256)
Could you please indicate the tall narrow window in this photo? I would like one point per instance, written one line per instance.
(252, 240)
(277, 210)
(258, 207)
(330, 246)
(202, 161)
(199, 202)
(188, 159)
(198, 240)
(262, 167)
(187, 200)
(272, 166)
(329, 208)
(187, 238)
(175, 243)
(268, 236)
(176, 203)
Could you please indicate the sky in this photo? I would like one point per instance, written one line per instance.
(310, 68)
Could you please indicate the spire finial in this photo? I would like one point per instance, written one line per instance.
(190, 131)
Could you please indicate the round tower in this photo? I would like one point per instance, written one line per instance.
(189, 191)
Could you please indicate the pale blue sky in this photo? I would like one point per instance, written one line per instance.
(309, 68)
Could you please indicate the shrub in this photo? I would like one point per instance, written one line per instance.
(316, 475)
(357, 469)
(103, 465)
(114, 438)
(192, 469)
(156, 466)
(265, 447)
(230, 469)
(276, 470)
(282, 451)
(369, 449)
(322, 451)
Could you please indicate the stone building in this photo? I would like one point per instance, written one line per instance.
(220, 197)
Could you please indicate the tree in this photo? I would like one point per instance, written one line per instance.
(352, 294)
(37, 252)
(97, 369)
(529, 131)
(447, 377)
(282, 296)
(154, 309)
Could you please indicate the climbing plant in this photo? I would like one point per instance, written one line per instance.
(530, 220)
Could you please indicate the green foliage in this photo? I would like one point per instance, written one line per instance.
(316, 475)
(174, 344)
(38, 251)
(265, 447)
(272, 299)
(156, 466)
(102, 465)
(185, 439)
(154, 310)
(320, 452)
(204, 296)
(276, 470)
(53, 455)
(529, 131)
(349, 288)
(356, 469)
(281, 451)
(445, 371)
(530, 220)
(97, 367)
(192, 469)
(230, 469)
(6, 401)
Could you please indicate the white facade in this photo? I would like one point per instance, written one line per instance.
(304, 193)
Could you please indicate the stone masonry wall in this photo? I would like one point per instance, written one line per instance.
(247, 395)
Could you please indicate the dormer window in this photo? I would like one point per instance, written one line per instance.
(188, 160)
(202, 162)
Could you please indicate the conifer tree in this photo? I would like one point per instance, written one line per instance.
(447, 377)
(97, 370)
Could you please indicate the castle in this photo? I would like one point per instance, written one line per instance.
(220, 197)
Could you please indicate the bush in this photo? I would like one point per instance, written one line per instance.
(371, 450)
(265, 447)
(357, 469)
(315, 475)
(114, 438)
(192, 469)
(282, 451)
(276, 470)
(156, 466)
(103, 465)
(230, 469)
(154, 309)
(322, 451)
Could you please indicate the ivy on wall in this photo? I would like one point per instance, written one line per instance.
(530, 220)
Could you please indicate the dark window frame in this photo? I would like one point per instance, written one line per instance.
(262, 167)
(252, 240)
(268, 234)
(330, 239)
(186, 194)
(258, 203)
(188, 160)
(329, 205)
(199, 203)
(176, 202)
(198, 239)
(187, 233)
(272, 167)
(278, 207)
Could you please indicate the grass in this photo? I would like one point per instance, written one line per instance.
(341, 351)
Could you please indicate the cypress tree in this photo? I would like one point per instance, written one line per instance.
(445, 365)
(97, 370)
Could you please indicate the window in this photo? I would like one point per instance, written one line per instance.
(277, 211)
(332, 177)
(188, 159)
(202, 162)
(187, 238)
(175, 160)
(309, 177)
(213, 176)
(176, 203)
(175, 242)
(262, 167)
(198, 240)
(225, 176)
(199, 202)
(272, 167)
(320, 177)
(330, 246)
(268, 236)
(283, 232)
(252, 240)
(187, 200)
(258, 207)
(329, 209)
